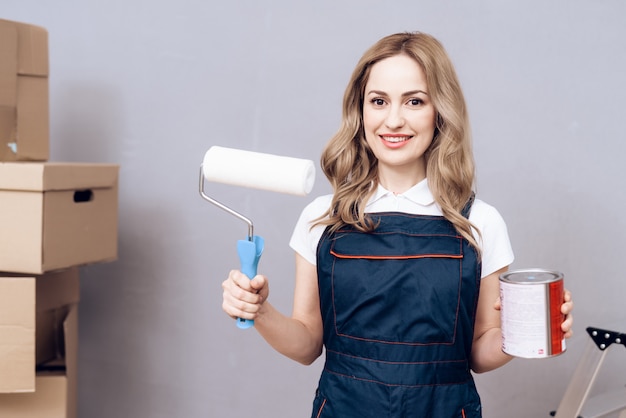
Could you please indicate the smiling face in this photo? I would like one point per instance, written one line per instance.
(398, 120)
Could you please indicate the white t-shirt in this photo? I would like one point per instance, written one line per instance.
(494, 239)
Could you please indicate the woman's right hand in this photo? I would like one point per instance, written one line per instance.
(242, 297)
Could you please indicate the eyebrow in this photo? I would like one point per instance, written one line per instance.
(408, 93)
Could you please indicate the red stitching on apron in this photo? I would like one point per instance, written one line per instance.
(395, 257)
(319, 413)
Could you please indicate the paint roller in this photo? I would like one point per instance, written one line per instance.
(259, 171)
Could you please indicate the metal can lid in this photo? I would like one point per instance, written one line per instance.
(531, 276)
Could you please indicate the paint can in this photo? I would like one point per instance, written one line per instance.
(531, 313)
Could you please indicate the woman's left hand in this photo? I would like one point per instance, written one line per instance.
(566, 309)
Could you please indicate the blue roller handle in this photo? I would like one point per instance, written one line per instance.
(249, 255)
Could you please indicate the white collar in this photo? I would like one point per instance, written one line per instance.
(419, 194)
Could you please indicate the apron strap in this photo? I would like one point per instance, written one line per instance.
(468, 206)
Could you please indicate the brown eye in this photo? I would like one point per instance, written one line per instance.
(378, 102)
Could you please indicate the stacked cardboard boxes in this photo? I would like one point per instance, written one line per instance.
(54, 218)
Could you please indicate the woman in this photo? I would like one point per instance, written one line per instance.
(396, 271)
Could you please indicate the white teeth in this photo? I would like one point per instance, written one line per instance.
(396, 139)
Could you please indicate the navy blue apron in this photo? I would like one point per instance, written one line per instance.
(398, 306)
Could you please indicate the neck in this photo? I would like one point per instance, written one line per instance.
(399, 182)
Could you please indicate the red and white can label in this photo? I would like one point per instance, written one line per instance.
(531, 313)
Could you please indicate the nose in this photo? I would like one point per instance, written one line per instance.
(395, 118)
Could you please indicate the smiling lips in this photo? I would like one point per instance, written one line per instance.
(395, 141)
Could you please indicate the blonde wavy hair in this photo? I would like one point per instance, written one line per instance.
(352, 168)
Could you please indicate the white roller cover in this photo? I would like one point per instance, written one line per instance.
(258, 170)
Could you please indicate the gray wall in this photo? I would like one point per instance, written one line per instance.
(152, 84)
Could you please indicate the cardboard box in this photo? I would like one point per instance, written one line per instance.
(24, 92)
(33, 324)
(57, 215)
(55, 395)
(17, 334)
(56, 294)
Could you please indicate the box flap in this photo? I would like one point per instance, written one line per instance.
(31, 43)
(58, 288)
(8, 64)
(32, 142)
(49, 337)
(49, 176)
(17, 334)
(57, 342)
(32, 50)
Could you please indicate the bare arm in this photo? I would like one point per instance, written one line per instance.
(487, 351)
(298, 337)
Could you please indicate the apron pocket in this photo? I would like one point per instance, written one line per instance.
(397, 288)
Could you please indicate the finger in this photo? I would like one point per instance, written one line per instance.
(567, 307)
(240, 279)
(234, 292)
(238, 308)
(567, 295)
(258, 283)
(568, 334)
(566, 326)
